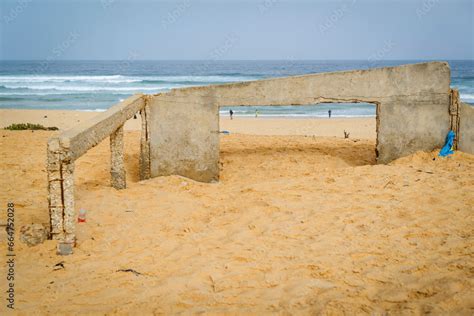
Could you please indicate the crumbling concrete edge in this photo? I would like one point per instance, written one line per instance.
(144, 161)
(454, 115)
(466, 128)
(117, 167)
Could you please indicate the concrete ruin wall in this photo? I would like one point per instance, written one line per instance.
(412, 112)
(180, 130)
(64, 149)
(466, 128)
(184, 136)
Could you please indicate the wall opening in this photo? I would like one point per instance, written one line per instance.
(319, 110)
(349, 135)
(342, 120)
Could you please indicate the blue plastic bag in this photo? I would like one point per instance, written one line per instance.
(448, 146)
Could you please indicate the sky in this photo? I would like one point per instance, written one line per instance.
(236, 30)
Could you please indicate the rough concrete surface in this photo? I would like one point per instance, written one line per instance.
(117, 168)
(466, 128)
(144, 160)
(184, 136)
(84, 136)
(55, 189)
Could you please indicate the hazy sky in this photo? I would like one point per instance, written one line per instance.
(225, 29)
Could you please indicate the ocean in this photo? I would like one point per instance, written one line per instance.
(97, 85)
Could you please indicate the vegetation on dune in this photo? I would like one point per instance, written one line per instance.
(30, 126)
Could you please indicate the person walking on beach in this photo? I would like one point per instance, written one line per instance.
(231, 114)
(256, 113)
(329, 113)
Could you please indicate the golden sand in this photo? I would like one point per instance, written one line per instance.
(298, 225)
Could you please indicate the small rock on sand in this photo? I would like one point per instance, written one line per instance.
(33, 234)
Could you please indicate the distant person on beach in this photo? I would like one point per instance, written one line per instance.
(256, 113)
(231, 114)
(329, 113)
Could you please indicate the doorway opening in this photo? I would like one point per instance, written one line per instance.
(334, 134)
(347, 120)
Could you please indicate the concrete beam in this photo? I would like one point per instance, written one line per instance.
(418, 81)
(84, 136)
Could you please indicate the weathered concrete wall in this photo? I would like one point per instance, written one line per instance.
(409, 125)
(184, 136)
(466, 128)
(412, 113)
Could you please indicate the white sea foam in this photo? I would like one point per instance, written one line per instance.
(120, 79)
(199, 78)
(95, 110)
(86, 88)
(468, 97)
(36, 79)
(38, 85)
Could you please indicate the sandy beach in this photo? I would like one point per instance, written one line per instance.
(357, 127)
(302, 222)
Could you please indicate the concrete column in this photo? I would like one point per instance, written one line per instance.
(117, 169)
(68, 238)
(55, 190)
(454, 115)
(145, 145)
(466, 128)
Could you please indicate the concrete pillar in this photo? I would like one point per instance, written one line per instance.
(61, 197)
(145, 145)
(117, 168)
(55, 190)
(454, 115)
(68, 238)
(466, 128)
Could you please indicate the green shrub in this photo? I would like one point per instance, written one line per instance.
(30, 126)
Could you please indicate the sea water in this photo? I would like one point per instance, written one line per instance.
(97, 85)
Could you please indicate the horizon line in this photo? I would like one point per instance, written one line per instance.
(227, 60)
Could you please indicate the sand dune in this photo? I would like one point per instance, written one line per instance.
(299, 225)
